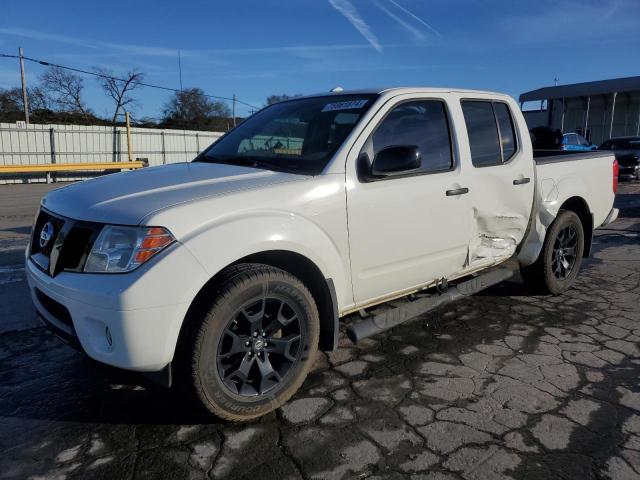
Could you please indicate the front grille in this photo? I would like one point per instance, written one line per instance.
(68, 247)
(37, 245)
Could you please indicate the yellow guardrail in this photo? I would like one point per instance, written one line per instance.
(70, 167)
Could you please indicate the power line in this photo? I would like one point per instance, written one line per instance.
(104, 75)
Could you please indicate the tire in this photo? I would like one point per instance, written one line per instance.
(234, 373)
(556, 268)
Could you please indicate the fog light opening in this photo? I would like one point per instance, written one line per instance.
(107, 334)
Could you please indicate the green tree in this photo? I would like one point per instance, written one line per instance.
(192, 109)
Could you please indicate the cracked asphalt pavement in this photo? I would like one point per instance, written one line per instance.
(506, 384)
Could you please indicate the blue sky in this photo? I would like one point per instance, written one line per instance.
(258, 48)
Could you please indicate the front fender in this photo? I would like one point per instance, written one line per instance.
(229, 239)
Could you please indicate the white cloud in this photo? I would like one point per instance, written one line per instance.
(411, 29)
(566, 22)
(346, 8)
(94, 44)
(415, 17)
(151, 51)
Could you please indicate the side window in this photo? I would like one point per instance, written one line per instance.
(483, 133)
(420, 123)
(492, 134)
(507, 131)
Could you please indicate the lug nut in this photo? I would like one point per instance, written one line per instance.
(246, 344)
(255, 334)
(264, 334)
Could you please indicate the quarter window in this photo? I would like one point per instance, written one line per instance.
(491, 131)
(420, 123)
(507, 131)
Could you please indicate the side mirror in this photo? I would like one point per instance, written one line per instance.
(396, 160)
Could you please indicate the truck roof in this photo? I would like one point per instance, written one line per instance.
(401, 90)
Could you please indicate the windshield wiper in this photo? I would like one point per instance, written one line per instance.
(252, 162)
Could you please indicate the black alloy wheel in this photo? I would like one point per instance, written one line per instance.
(250, 342)
(559, 261)
(259, 346)
(565, 249)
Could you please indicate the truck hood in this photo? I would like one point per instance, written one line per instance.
(127, 197)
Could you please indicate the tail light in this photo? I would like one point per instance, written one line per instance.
(616, 170)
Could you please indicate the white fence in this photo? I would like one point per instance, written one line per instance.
(38, 144)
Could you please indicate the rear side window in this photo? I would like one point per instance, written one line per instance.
(570, 140)
(491, 130)
(483, 133)
(420, 123)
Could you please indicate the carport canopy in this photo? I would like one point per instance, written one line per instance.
(600, 87)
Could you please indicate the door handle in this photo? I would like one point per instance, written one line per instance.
(457, 191)
(521, 181)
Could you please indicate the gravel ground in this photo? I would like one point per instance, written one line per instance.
(502, 385)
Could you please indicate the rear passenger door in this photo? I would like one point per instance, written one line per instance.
(501, 178)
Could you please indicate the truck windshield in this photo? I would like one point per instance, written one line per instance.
(298, 136)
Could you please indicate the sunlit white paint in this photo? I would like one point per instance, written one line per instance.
(376, 241)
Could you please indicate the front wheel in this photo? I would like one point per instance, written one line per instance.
(559, 261)
(250, 351)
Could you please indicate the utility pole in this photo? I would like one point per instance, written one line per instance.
(555, 81)
(25, 100)
(180, 68)
(129, 145)
(234, 109)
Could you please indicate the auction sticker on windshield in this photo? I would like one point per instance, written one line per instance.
(350, 105)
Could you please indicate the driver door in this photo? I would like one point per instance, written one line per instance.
(410, 229)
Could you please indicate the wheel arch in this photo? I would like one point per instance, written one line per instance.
(579, 206)
(322, 289)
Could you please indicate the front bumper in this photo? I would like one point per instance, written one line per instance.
(130, 321)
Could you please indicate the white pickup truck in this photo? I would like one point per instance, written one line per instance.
(225, 275)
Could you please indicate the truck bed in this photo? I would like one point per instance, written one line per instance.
(552, 156)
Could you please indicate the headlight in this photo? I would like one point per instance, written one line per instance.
(121, 249)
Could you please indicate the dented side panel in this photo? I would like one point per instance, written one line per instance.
(500, 209)
(588, 178)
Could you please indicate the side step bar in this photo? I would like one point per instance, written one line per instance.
(395, 316)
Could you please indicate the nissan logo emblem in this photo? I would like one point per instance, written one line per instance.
(46, 234)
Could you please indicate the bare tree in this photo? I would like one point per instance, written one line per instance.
(11, 100)
(119, 89)
(64, 90)
(271, 99)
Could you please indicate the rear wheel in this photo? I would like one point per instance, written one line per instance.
(252, 349)
(559, 261)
